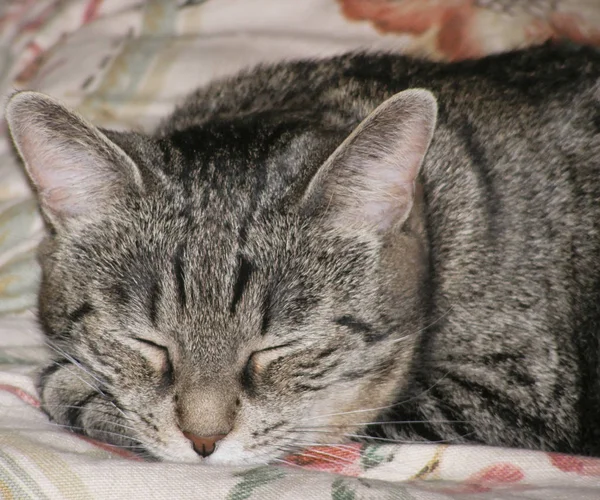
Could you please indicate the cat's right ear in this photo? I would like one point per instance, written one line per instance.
(369, 182)
(76, 170)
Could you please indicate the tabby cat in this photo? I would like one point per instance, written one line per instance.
(368, 246)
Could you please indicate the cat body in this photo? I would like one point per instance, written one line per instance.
(314, 251)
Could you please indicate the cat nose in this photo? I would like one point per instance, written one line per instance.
(204, 445)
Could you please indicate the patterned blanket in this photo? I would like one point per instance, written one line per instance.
(125, 63)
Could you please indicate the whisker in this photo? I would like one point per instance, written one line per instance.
(336, 457)
(104, 400)
(76, 363)
(114, 405)
(346, 413)
(92, 386)
(87, 409)
(347, 447)
(437, 320)
(291, 464)
(114, 423)
(366, 438)
(313, 457)
(125, 447)
(72, 429)
(399, 403)
(396, 422)
(400, 441)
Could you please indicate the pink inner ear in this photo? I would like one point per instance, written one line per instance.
(75, 168)
(370, 179)
(387, 187)
(383, 212)
(69, 199)
(69, 180)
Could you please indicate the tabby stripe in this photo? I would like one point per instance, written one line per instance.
(260, 184)
(270, 428)
(308, 388)
(318, 375)
(497, 358)
(356, 374)
(448, 412)
(245, 270)
(354, 324)
(481, 168)
(425, 431)
(463, 429)
(121, 293)
(81, 312)
(266, 315)
(73, 413)
(487, 395)
(326, 353)
(362, 328)
(179, 275)
(50, 370)
(247, 377)
(496, 402)
(155, 295)
(165, 149)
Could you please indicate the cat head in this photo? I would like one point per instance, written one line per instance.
(253, 281)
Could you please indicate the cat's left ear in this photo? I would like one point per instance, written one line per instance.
(369, 181)
(76, 170)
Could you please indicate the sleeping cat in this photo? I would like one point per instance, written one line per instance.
(317, 251)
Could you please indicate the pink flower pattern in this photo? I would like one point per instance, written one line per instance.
(462, 29)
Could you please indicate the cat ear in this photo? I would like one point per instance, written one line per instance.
(369, 180)
(76, 170)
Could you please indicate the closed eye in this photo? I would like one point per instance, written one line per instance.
(274, 347)
(247, 377)
(251, 368)
(161, 358)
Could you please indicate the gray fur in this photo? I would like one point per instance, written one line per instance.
(303, 289)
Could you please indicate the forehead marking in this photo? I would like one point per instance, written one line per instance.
(155, 295)
(178, 270)
(245, 270)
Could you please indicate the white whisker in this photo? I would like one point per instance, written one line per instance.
(347, 447)
(367, 438)
(291, 464)
(364, 410)
(383, 422)
(73, 431)
(87, 409)
(320, 452)
(115, 423)
(347, 413)
(313, 457)
(437, 320)
(75, 363)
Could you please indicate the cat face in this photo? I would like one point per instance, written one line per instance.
(194, 297)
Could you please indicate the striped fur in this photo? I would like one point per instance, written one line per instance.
(232, 293)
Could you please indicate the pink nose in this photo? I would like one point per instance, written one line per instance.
(204, 445)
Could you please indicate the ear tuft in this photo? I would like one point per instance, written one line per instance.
(369, 180)
(76, 170)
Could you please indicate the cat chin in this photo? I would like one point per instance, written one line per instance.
(233, 453)
(179, 452)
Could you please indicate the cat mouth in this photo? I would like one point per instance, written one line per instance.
(232, 452)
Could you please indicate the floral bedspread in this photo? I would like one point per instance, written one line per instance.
(125, 63)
